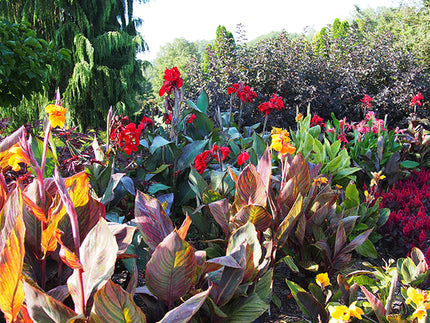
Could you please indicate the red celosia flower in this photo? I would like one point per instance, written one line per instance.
(191, 118)
(223, 151)
(244, 93)
(201, 161)
(366, 101)
(172, 80)
(416, 100)
(167, 118)
(316, 120)
(244, 156)
(275, 103)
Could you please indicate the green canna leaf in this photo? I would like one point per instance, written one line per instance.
(113, 304)
(170, 271)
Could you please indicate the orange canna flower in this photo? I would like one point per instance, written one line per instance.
(281, 142)
(57, 115)
(12, 157)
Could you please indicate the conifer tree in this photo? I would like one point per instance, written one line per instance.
(102, 37)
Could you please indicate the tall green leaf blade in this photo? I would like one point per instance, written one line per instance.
(190, 151)
(245, 309)
(170, 271)
(152, 221)
(203, 102)
(185, 311)
(113, 304)
(157, 143)
(313, 306)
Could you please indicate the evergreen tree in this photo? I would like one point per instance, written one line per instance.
(102, 37)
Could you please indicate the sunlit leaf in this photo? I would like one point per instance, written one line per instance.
(185, 311)
(66, 255)
(44, 308)
(250, 188)
(170, 270)
(152, 221)
(289, 221)
(299, 168)
(88, 210)
(264, 167)
(12, 253)
(183, 230)
(255, 214)
(248, 234)
(375, 303)
(123, 234)
(98, 254)
(113, 304)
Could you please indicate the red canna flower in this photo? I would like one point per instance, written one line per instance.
(244, 93)
(416, 100)
(191, 118)
(244, 156)
(172, 80)
(366, 102)
(144, 122)
(275, 103)
(167, 118)
(201, 161)
(223, 151)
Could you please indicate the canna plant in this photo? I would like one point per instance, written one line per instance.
(55, 242)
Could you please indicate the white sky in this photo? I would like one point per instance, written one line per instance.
(165, 20)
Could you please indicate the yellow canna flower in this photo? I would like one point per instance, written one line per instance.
(376, 178)
(355, 311)
(414, 296)
(339, 314)
(322, 280)
(281, 142)
(12, 157)
(420, 312)
(321, 180)
(57, 115)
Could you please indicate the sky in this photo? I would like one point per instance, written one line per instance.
(165, 20)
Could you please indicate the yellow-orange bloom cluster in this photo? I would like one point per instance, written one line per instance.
(322, 280)
(421, 299)
(321, 180)
(376, 178)
(281, 142)
(12, 157)
(342, 314)
(57, 115)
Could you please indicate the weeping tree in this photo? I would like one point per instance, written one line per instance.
(102, 37)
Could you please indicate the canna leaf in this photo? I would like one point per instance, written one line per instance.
(250, 188)
(123, 234)
(313, 306)
(226, 284)
(255, 214)
(248, 234)
(113, 304)
(299, 168)
(289, 221)
(358, 241)
(375, 303)
(170, 271)
(152, 221)
(220, 212)
(183, 230)
(340, 238)
(97, 254)
(88, 210)
(12, 253)
(245, 309)
(185, 311)
(264, 168)
(44, 308)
